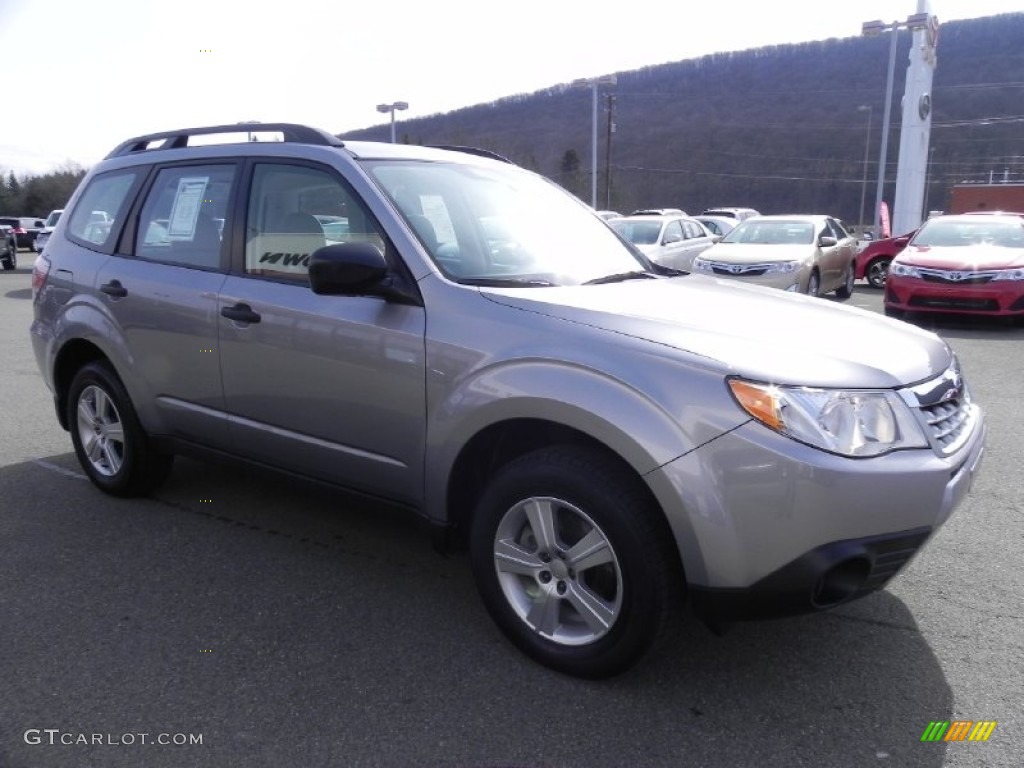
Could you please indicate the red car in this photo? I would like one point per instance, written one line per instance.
(873, 260)
(960, 264)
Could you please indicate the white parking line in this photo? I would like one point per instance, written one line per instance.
(59, 469)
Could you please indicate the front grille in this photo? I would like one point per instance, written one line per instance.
(946, 413)
(745, 271)
(947, 422)
(956, 277)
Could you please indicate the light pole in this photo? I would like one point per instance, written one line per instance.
(391, 108)
(864, 180)
(874, 29)
(593, 83)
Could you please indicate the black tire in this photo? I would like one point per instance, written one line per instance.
(9, 262)
(633, 582)
(116, 455)
(814, 284)
(845, 291)
(877, 271)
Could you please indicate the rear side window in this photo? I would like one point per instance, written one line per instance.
(182, 219)
(100, 208)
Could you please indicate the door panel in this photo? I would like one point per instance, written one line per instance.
(327, 386)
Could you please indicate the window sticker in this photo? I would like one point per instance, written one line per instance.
(188, 198)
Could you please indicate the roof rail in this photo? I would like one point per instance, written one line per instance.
(178, 139)
(473, 151)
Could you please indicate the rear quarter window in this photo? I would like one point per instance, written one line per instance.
(100, 209)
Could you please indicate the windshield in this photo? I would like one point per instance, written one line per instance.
(772, 232)
(638, 232)
(53, 218)
(502, 224)
(937, 232)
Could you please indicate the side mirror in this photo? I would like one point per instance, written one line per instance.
(826, 241)
(346, 269)
(357, 269)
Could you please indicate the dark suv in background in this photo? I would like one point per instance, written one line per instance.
(25, 228)
(442, 329)
(8, 247)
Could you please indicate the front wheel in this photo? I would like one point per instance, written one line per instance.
(845, 291)
(110, 443)
(574, 562)
(814, 284)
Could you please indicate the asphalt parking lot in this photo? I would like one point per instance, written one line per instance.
(287, 626)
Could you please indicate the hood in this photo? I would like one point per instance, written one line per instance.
(966, 258)
(755, 253)
(758, 332)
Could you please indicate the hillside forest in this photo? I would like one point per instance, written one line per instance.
(780, 128)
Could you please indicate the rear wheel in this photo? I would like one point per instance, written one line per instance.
(110, 444)
(574, 561)
(877, 271)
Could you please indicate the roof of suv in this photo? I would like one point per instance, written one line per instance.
(290, 133)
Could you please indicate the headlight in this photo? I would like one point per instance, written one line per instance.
(1009, 274)
(783, 266)
(904, 270)
(702, 264)
(848, 422)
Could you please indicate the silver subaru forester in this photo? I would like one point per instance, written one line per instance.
(449, 332)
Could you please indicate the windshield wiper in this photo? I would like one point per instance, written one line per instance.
(620, 276)
(506, 282)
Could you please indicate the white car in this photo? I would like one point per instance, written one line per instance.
(671, 241)
(44, 233)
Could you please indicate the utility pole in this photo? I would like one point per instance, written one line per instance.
(608, 152)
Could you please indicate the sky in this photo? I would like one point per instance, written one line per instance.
(88, 75)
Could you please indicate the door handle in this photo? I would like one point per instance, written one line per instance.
(114, 289)
(241, 313)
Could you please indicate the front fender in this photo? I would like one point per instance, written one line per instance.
(644, 432)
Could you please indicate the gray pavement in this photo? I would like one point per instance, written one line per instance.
(288, 626)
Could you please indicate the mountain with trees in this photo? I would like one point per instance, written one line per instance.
(780, 128)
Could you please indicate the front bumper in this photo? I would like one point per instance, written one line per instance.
(767, 526)
(912, 294)
(785, 281)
